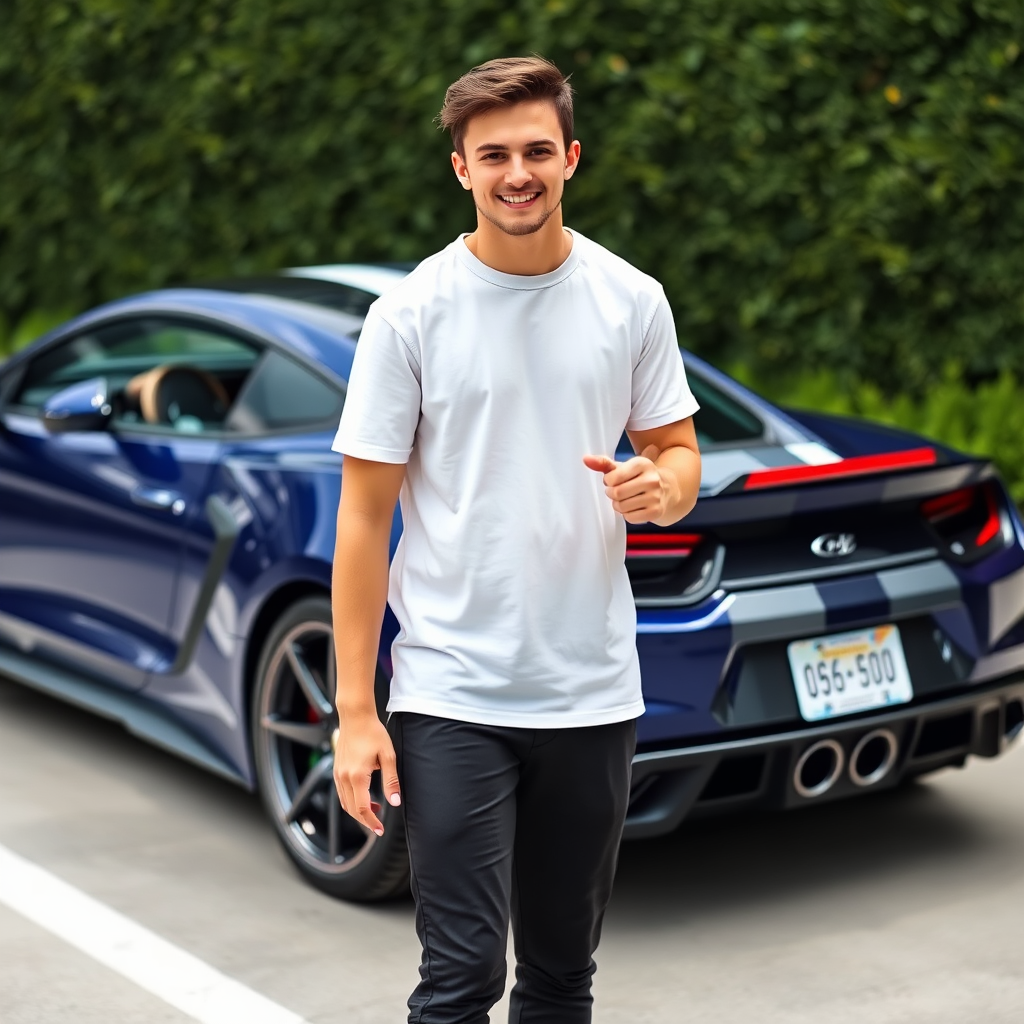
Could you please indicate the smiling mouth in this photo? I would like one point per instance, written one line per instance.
(519, 198)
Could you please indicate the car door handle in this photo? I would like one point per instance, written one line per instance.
(157, 497)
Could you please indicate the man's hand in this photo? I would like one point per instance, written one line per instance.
(640, 491)
(362, 746)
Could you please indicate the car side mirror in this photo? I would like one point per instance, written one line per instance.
(82, 406)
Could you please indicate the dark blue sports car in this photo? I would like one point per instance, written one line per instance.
(843, 610)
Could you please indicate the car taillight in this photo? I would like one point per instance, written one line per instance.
(972, 521)
(661, 545)
(671, 568)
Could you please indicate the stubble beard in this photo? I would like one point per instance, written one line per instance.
(517, 228)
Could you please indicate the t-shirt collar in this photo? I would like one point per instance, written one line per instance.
(518, 282)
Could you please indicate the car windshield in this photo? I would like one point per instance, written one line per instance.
(721, 419)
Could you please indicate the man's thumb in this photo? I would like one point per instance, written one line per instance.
(389, 776)
(599, 463)
(652, 451)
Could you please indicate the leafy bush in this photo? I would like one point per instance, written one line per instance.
(832, 182)
(987, 420)
(30, 327)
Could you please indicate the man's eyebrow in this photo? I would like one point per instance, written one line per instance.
(498, 147)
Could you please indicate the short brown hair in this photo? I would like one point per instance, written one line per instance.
(501, 83)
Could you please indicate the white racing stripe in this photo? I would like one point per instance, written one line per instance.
(178, 978)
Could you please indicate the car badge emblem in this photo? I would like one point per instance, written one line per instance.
(834, 545)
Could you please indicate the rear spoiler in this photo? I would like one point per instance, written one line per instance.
(861, 465)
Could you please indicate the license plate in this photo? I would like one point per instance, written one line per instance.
(849, 672)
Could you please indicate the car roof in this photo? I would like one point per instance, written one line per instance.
(317, 311)
(321, 334)
(371, 277)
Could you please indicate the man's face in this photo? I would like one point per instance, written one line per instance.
(517, 165)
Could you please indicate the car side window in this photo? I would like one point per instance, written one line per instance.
(720, 418)
(281, 394)
(161, 372)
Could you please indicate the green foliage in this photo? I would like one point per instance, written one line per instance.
(987, 420)
(30, 327)
(831, 182)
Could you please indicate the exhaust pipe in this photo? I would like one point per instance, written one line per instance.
(873, 757)
(818, 768)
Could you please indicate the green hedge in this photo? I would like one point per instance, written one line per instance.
(27, 329)
(834, 182)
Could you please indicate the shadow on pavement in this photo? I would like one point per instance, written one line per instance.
(107, 746)
(915, 836)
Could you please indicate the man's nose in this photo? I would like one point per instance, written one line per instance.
(517, 175)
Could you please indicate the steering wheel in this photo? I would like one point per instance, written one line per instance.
(178, 394)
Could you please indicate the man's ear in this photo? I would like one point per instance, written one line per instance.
(572, 159)
(461, 170)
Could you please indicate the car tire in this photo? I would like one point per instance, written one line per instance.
(293, 717)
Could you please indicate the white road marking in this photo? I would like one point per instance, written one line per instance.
(154, 964)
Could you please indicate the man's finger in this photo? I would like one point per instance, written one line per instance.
(354, 794)
(636, 518)
(630, 488)
(599, 463)
(341, 785)
(363, 812)
(626, 471)
(652, 451)
(638, 503)
(348, 799)
(389, 776)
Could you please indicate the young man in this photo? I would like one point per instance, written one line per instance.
(490, 389)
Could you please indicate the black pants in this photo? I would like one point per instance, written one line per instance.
(503, 820)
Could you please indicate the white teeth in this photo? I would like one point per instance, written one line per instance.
(524, 198)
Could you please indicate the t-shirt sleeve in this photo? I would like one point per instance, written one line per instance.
(660, 393)
(382, 405)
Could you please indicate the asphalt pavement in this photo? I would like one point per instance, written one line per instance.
(899, 907)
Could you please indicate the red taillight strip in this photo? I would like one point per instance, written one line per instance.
(946, 505)
(993, 524)
(661, 545)
(783, 476)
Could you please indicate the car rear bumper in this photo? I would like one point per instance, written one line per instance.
(762, 772)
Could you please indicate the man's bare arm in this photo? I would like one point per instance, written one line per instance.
(359, 592)
(660, 484)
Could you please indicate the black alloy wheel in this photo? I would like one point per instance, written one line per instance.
(292, 722)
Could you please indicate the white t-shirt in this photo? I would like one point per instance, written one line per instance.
(509, 581)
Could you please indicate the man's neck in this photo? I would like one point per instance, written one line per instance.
(524, 255)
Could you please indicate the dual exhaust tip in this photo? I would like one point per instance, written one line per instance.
(821, 765)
